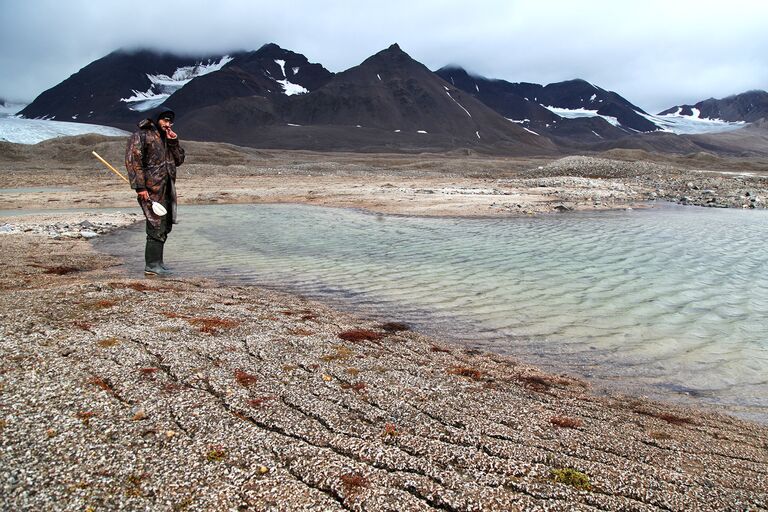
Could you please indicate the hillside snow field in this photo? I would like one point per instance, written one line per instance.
(32, 131)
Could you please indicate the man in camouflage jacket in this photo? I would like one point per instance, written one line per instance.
(151, 158)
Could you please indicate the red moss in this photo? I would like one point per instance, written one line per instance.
(80, 324)
(101, 383)
(390, 431)
(245, 379)
(540, 383)
(140, 287)
(259, 402)
(566, 422)
(358, 335)
(353, 482)
(666, 416)
(211, 325)
(60, 270)
(171, 314)
(85, 416)
(466, 371)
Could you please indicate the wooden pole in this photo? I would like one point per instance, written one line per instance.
(110, 167)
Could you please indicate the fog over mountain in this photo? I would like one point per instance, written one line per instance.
(655, 53)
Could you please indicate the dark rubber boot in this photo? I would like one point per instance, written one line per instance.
(162, 261)
(153, 254)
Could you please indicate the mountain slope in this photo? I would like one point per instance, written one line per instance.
(574, 109)
(270, 71)
(112, 89)
(749, 106)
(389, 100)
(391, 91)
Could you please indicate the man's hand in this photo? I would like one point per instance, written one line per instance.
(170, 133)
(143, 194)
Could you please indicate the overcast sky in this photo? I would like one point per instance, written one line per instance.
(655, 53)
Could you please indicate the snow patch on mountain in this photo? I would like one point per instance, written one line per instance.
(454, 100)
(31, 131)
(289, 88)
(672, 123)
(573, 113)
(163, 85)
(693, 124)
(281, 63)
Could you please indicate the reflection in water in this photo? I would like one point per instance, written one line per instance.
(673, 301)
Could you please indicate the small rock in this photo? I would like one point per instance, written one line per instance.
(87, 233)
(139, 414)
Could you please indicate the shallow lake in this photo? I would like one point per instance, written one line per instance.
(671, 302)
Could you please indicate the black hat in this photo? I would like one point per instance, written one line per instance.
(165, 113)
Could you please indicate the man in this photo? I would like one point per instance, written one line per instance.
(151, 158)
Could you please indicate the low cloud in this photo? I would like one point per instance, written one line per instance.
(654, 53)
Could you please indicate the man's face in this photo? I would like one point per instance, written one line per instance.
(165, 123)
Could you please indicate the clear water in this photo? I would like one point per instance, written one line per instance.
(31, 190)
(671, 302)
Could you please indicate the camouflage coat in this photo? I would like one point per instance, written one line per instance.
(151, 162)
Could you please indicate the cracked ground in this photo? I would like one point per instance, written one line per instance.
(125, 394)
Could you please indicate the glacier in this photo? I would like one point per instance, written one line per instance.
(163, 85)
(31, 131)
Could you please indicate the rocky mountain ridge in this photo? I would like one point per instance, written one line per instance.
(273, 97)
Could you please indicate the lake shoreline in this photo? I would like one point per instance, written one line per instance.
(183, 393)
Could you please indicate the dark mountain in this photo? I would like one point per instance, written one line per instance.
(748, 106)
(388, 101)
(501, 96)
(118, 88)
(527, 102)
(270, 71)
(96, 93)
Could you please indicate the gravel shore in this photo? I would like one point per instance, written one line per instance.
(183, 394)
(61, 173)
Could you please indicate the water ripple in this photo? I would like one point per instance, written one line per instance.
(672, 299)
